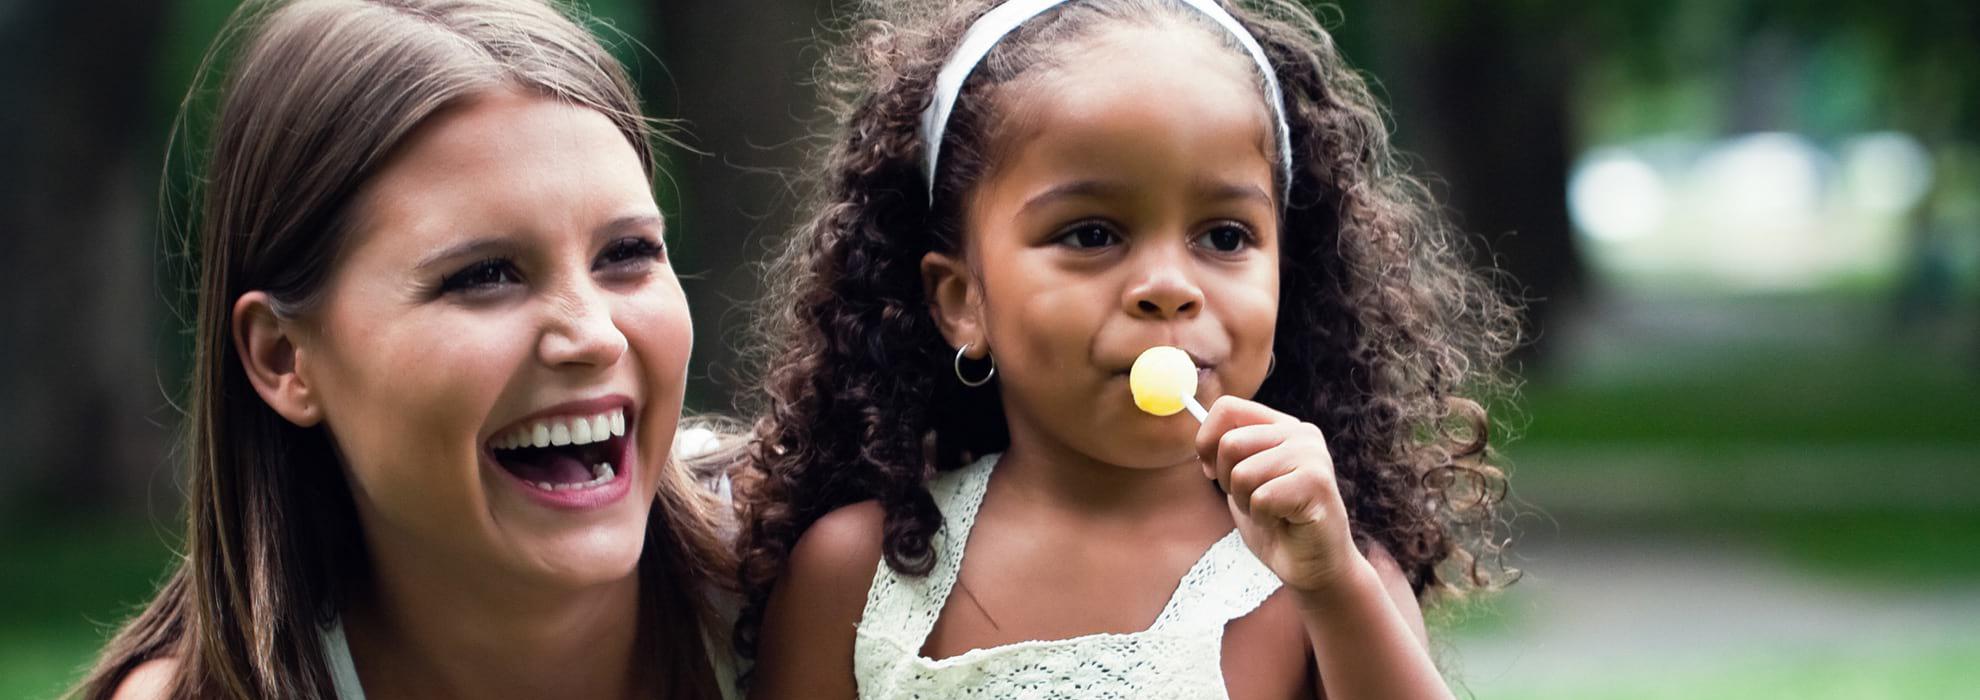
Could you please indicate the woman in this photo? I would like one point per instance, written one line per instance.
(440, 364)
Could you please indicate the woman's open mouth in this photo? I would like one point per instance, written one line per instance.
(565, 453)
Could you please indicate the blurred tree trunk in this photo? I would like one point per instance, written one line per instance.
(738, 75)
(1480, 91)
(76, 274)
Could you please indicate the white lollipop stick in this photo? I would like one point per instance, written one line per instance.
(1194, 408)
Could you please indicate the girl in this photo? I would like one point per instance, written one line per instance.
(440, 366)
(952, 493)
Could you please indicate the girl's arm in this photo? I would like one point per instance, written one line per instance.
(1368, 636)
(805, 646)
(1279, 476)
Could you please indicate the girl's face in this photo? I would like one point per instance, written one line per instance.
(505, 281)
(1130, 204)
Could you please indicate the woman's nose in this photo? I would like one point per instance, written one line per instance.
(582, 332)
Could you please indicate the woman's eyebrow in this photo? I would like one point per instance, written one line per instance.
(489, 246)
(634, 222)
(485, 246)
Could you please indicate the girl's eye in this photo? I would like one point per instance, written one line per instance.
(630, 254)
(1227, 238)
(481, 277)
(1088, 236)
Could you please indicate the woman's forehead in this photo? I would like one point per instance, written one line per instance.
(507, 161)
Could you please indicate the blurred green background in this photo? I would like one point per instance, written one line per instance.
(1749, 230)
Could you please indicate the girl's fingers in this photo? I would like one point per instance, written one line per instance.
(1237, 445)
(1298, 460)
(1295, 497)
(1257, 470)
(1227, 413)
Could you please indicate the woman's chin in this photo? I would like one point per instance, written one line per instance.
(581, 559)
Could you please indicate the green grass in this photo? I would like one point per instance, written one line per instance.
(1927, 672)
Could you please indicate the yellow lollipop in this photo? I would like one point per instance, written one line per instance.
(1163, 381)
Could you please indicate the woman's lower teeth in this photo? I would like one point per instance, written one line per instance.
(601, 474)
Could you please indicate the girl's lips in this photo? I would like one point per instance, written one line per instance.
(1126, 363)
(1203, 372)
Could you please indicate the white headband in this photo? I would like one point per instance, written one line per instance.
(1003, 19)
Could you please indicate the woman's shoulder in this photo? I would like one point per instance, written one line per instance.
(151, 679)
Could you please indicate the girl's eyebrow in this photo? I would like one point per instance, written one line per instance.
(1226, 190)
(1075, 188)
(1209, 189)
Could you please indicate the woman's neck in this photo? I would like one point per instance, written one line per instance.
(422, 632)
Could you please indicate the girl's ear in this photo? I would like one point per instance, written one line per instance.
(273, 359)
(954, 297)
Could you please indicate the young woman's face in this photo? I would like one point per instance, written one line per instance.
(505, 283)
(1131, 204)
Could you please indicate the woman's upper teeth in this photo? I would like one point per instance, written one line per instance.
(564, 430)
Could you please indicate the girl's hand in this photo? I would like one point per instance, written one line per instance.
(1278, 478)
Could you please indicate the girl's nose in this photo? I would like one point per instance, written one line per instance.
(582, 332)
(1165, 290)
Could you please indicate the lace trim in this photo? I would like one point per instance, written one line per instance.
(1179, 656)
(902, 604)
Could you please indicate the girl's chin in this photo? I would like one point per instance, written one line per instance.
(1148, 451)
(1151, 461)
(1154, 441)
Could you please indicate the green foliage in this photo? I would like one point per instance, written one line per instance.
(1763, 395)
(67, 587)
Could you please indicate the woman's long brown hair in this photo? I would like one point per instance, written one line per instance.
(315, 97)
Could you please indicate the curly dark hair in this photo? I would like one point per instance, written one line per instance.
(1383, 325)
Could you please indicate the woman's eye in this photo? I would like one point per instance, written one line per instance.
(481, 277)
(1091, 235)
(1227, 238)
(627, 253)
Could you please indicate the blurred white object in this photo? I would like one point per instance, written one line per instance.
(695, 442)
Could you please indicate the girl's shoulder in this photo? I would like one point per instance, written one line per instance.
(840, 550)
(805, 645)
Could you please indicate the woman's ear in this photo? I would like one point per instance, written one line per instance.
(269, 353)
(955, 299)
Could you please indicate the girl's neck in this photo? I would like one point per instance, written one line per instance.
(431, 633)
(1052, 473)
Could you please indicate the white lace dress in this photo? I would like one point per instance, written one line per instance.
(1180, 656)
